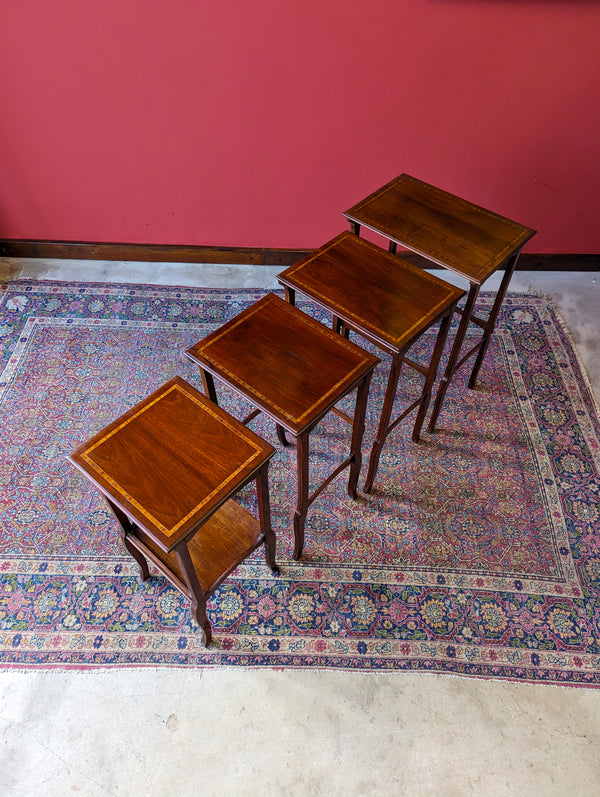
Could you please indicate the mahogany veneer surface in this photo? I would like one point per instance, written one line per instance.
(450, 231)
(384, 297)
(171, 460)
(289, 365)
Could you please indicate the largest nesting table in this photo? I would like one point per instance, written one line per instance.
(455, 234)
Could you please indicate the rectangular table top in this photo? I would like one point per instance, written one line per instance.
(451, 232)
(380, 295)
(172, 460)
(283, 361)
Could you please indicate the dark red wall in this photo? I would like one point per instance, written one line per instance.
(242, 123)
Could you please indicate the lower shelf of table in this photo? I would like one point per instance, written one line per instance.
(217, 548)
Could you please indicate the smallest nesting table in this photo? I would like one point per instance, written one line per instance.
(295, 370)
(386, 300)
(169, 469)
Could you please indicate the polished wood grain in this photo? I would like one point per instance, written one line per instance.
(294, 370)
(451, 232)
(384, 299)
(455, 234)
(283, 361)
(169, 469)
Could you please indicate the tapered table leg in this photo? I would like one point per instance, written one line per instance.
(264, 516)
(384, 421)
(126, 527)
(302, 504)
(493, 317)
(454, 355)
(358, 428)
(431, 375)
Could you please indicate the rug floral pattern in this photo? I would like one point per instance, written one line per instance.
(478, 551)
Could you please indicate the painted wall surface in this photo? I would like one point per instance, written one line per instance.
(241, 123)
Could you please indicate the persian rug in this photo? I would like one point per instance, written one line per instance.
(477, 553)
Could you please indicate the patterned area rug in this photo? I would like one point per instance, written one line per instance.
(477, 553)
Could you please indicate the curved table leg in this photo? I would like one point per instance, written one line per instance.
(198, 598)
(382, 430)
(126, 527)
(281, 435)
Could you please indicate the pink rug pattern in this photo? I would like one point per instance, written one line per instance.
(478, 551)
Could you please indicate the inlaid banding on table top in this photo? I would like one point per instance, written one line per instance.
(259, 453)
(407, 178)
(342, 311)
(252, 391)
(298, 316)
(376, 250)
(365, 360)
(521, 235)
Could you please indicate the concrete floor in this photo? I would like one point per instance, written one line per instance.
(231, 732)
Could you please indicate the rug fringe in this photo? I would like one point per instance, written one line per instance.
(94, 671)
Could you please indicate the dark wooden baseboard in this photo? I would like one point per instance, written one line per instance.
(236, 255)
(532, 262)
(152, 253)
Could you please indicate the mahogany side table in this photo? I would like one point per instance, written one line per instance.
(169, 469)
(295, 370)
(386, 300)
(455, 234)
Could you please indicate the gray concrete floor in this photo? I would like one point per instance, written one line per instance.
(231, 732)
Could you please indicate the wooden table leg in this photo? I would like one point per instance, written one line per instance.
(493, 317)
(431, 374)
(128, 527)
(197, 595)
(209, 385)
(264, 516)
(382, 430)
(302, 505)
(358, 428)
(340, 328)
(454, 354)
(281, 435)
